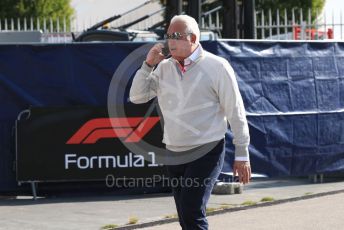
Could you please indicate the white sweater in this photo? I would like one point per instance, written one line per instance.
(196, 103)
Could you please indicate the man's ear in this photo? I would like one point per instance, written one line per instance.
(193, 38)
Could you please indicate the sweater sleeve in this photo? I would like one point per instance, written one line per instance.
(144, 86)
(232, 104)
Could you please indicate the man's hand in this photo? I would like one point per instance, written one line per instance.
(243, 170)
(155, 55)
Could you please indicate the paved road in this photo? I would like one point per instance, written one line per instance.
(320, 213)
(93, 212)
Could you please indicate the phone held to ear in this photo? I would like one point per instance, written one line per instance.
(165, 50)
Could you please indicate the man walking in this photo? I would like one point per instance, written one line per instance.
(198, 94)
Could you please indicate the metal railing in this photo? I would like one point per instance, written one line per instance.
(278, 25)
(211, 20)
(60, 29)
(53, 30)
(284, 25)
(294, 25)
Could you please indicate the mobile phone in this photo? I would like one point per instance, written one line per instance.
(165, 50)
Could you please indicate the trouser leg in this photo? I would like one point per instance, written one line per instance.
(175, 172)
(198, 179)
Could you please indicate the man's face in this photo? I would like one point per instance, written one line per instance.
(182, 47)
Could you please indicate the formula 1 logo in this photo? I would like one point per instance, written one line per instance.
(132, 129)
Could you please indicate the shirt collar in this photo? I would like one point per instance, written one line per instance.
(193, 56)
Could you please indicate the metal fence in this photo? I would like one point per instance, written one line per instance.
(296, 25)
(286, 25)
(211, 20)
(279, 25)
(60, 29)
(53, 30)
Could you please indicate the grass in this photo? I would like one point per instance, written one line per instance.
(249, 202)
(109, 226)
(210, 209)
(267, 199)
(133, 220)
(221, 207)
(308, 193)
(226, 206)
(171, 216)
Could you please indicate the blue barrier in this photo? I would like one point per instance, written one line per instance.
(293, 93)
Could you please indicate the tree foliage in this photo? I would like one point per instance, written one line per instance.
(36, 9)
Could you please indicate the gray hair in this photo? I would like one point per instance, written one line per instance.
(190, 23)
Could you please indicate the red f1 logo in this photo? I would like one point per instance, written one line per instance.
(133, 129)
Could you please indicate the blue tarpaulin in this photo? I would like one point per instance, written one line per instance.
(293, 94)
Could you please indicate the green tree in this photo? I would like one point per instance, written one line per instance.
(55, 9)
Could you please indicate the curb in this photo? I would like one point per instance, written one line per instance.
(228, 210)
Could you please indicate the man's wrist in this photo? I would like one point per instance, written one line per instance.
(242, 159)
(145, 67)
(149, 65)
(241, 152)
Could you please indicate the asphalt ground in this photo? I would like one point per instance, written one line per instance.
(325, 212)
(96, 211)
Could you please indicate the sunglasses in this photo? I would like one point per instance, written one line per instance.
(176, 35)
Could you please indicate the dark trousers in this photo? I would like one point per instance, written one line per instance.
(196, 181)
